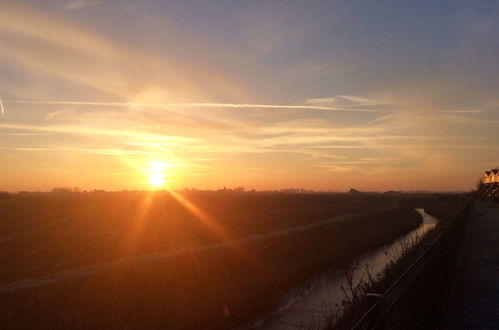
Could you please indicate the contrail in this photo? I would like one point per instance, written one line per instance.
(196, 105)
(2, 110)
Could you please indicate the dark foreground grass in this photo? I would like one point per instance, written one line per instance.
(422, 305)
(215, 288)
(46, 233)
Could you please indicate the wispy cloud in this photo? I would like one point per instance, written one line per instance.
(359, 100)
(96, 151)
(464, 111)
(2, 110)
(59, 51)
(73, 129)
(322, 100)
(195, 105)
(78, 4)
(346, 101)
(26, 134)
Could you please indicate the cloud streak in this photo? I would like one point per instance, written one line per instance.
(79, 4)
(2, 110)
(196, 105)
(73, 129)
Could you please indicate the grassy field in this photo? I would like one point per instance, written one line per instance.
(49, 242)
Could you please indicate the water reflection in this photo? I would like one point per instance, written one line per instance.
(308, 306)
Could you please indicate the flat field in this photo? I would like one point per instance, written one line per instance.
(197, 260)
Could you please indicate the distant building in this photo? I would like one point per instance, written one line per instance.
(491, 176)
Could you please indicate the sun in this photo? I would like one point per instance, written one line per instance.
(157, 179)
(156, 173)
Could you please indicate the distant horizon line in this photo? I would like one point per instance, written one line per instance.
(66, 190)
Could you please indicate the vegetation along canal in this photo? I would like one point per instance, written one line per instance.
(308, 306)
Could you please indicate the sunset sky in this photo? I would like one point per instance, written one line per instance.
(323, 95)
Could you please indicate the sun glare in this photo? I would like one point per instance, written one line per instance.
(157, 179)
(157, 174)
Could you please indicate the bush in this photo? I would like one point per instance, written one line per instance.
(5, 195)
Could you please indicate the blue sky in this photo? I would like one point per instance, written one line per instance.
(266, 94)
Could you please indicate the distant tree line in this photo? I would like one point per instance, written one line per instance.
(5, 195)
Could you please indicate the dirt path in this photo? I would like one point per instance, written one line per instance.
(102, 267)
(475, 297)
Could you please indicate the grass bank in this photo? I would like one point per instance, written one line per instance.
(215, 288)
(422, 303)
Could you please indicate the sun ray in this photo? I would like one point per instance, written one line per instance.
(215, 226)
(198, 213)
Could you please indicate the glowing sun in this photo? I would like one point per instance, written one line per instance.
(157, 174)
(157, 179)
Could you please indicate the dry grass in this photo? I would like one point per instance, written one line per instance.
(449, 209)
(201, 289)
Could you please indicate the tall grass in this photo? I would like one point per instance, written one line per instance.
(450, 210)
(214, 288)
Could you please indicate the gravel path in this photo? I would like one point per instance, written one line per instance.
(475, 297)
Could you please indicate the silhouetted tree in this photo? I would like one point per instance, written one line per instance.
(5, 195)
(60, 190)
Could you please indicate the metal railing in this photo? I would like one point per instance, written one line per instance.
(378, 312)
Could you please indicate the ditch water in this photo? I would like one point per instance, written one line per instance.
(308, 306)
